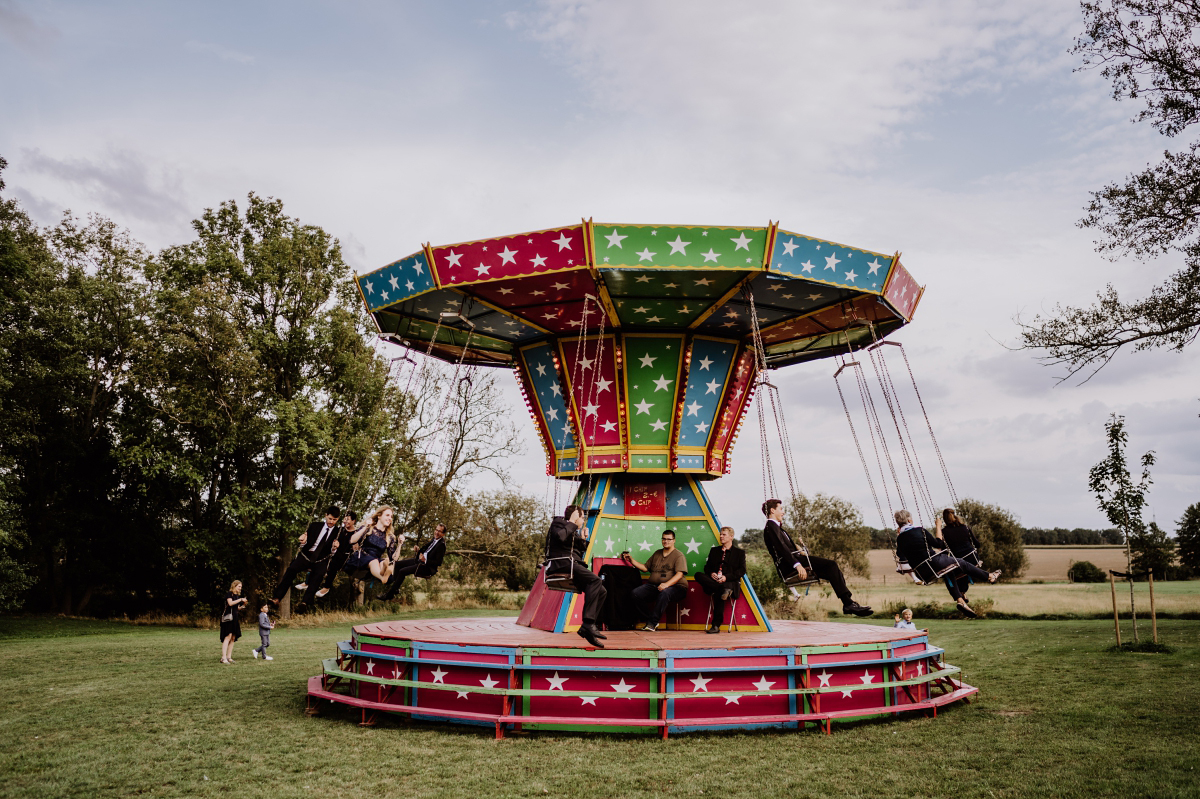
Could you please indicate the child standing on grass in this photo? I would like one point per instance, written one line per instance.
(265, 625)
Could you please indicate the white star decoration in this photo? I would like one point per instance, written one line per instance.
(507, 256)
(658, 424)
(646, 255)
(712, 386)
(615, 239)
(439, 675)
(488, 682)
(694, 409)
(742, 243)
(764, 684)
(705, 363)
(563, 242)
(700, 682)
(589, 700)
(662, 383)
(702, 427)
(602, 385)
(824, 678)
(395, 281)
(644, 407)
(453, 258)
(681, 502)
(623, 687)
(788, 247)
(692, 546)
(648, 359)
(556, 682)
(807, 266)
(874, 266)
(831, 261)
(679, 245)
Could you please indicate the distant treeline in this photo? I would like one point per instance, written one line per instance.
(1057, 536)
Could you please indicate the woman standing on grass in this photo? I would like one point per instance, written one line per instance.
(231, 625)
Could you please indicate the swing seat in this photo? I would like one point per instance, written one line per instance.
(561, 581)
(929, 573)
(793, 578)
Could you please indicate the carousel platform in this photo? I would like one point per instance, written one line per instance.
(494, 672)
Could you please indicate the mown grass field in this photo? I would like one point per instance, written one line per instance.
(113, 709)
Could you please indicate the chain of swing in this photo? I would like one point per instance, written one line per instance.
(396, 367)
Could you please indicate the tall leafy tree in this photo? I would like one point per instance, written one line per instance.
(1121, 499)
(1187, 539)
(832, 528)
(1001, 544)
(1149, 50)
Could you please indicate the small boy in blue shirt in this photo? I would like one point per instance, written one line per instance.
(907, 623)
(265, 625)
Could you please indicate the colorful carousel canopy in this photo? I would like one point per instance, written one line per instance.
(634, 343)
(809, 293)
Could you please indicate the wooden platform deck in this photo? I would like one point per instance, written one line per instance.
(505, 632)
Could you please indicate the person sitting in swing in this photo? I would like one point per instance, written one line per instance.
(373, 540)
(317, 543)
(566, 545)
(962, 542)
(791, 559)
(338, 559)
(721, 576)
(425, 564)
(667, 583)
(915, 545)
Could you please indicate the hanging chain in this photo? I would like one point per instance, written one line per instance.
(854, 434)
(932, 437)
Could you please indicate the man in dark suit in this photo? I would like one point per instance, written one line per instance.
(317, 543)
(342, 551)
(790, 559)
(566, 544)
(425, 564)
(722, 575)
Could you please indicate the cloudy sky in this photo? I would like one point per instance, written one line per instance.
(957, 133)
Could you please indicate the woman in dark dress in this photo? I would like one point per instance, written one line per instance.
(231, 625)
(962, 542)
(372, 541)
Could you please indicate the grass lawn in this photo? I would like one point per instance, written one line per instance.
(112, 709)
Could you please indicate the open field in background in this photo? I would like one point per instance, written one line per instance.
(1045, 563)
(1025, 599)
(100, 709)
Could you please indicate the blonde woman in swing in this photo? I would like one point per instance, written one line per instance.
(372, 541)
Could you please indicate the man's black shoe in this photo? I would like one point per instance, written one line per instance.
(855, 609)
(587, 635)
(965, 610)
(713, 630)
(594, 630)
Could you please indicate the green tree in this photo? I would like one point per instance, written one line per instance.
(832, 528)
(1187, 538)
(1150, 52)
(1119, 497)
(1001, 544)
(502, 538)
(1154, 550)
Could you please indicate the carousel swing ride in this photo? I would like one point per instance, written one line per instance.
(639, 350)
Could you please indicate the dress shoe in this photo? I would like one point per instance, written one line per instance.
(587, 635)
(713, 630)
(854, 609)
(595, 631)
(728, 592)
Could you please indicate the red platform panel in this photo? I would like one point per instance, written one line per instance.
(467, 677)
(608, 682)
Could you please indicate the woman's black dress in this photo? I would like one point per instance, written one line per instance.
(372, 548)
(233, 627)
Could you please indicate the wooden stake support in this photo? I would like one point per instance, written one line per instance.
(1153, 616)
(1112, 583)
